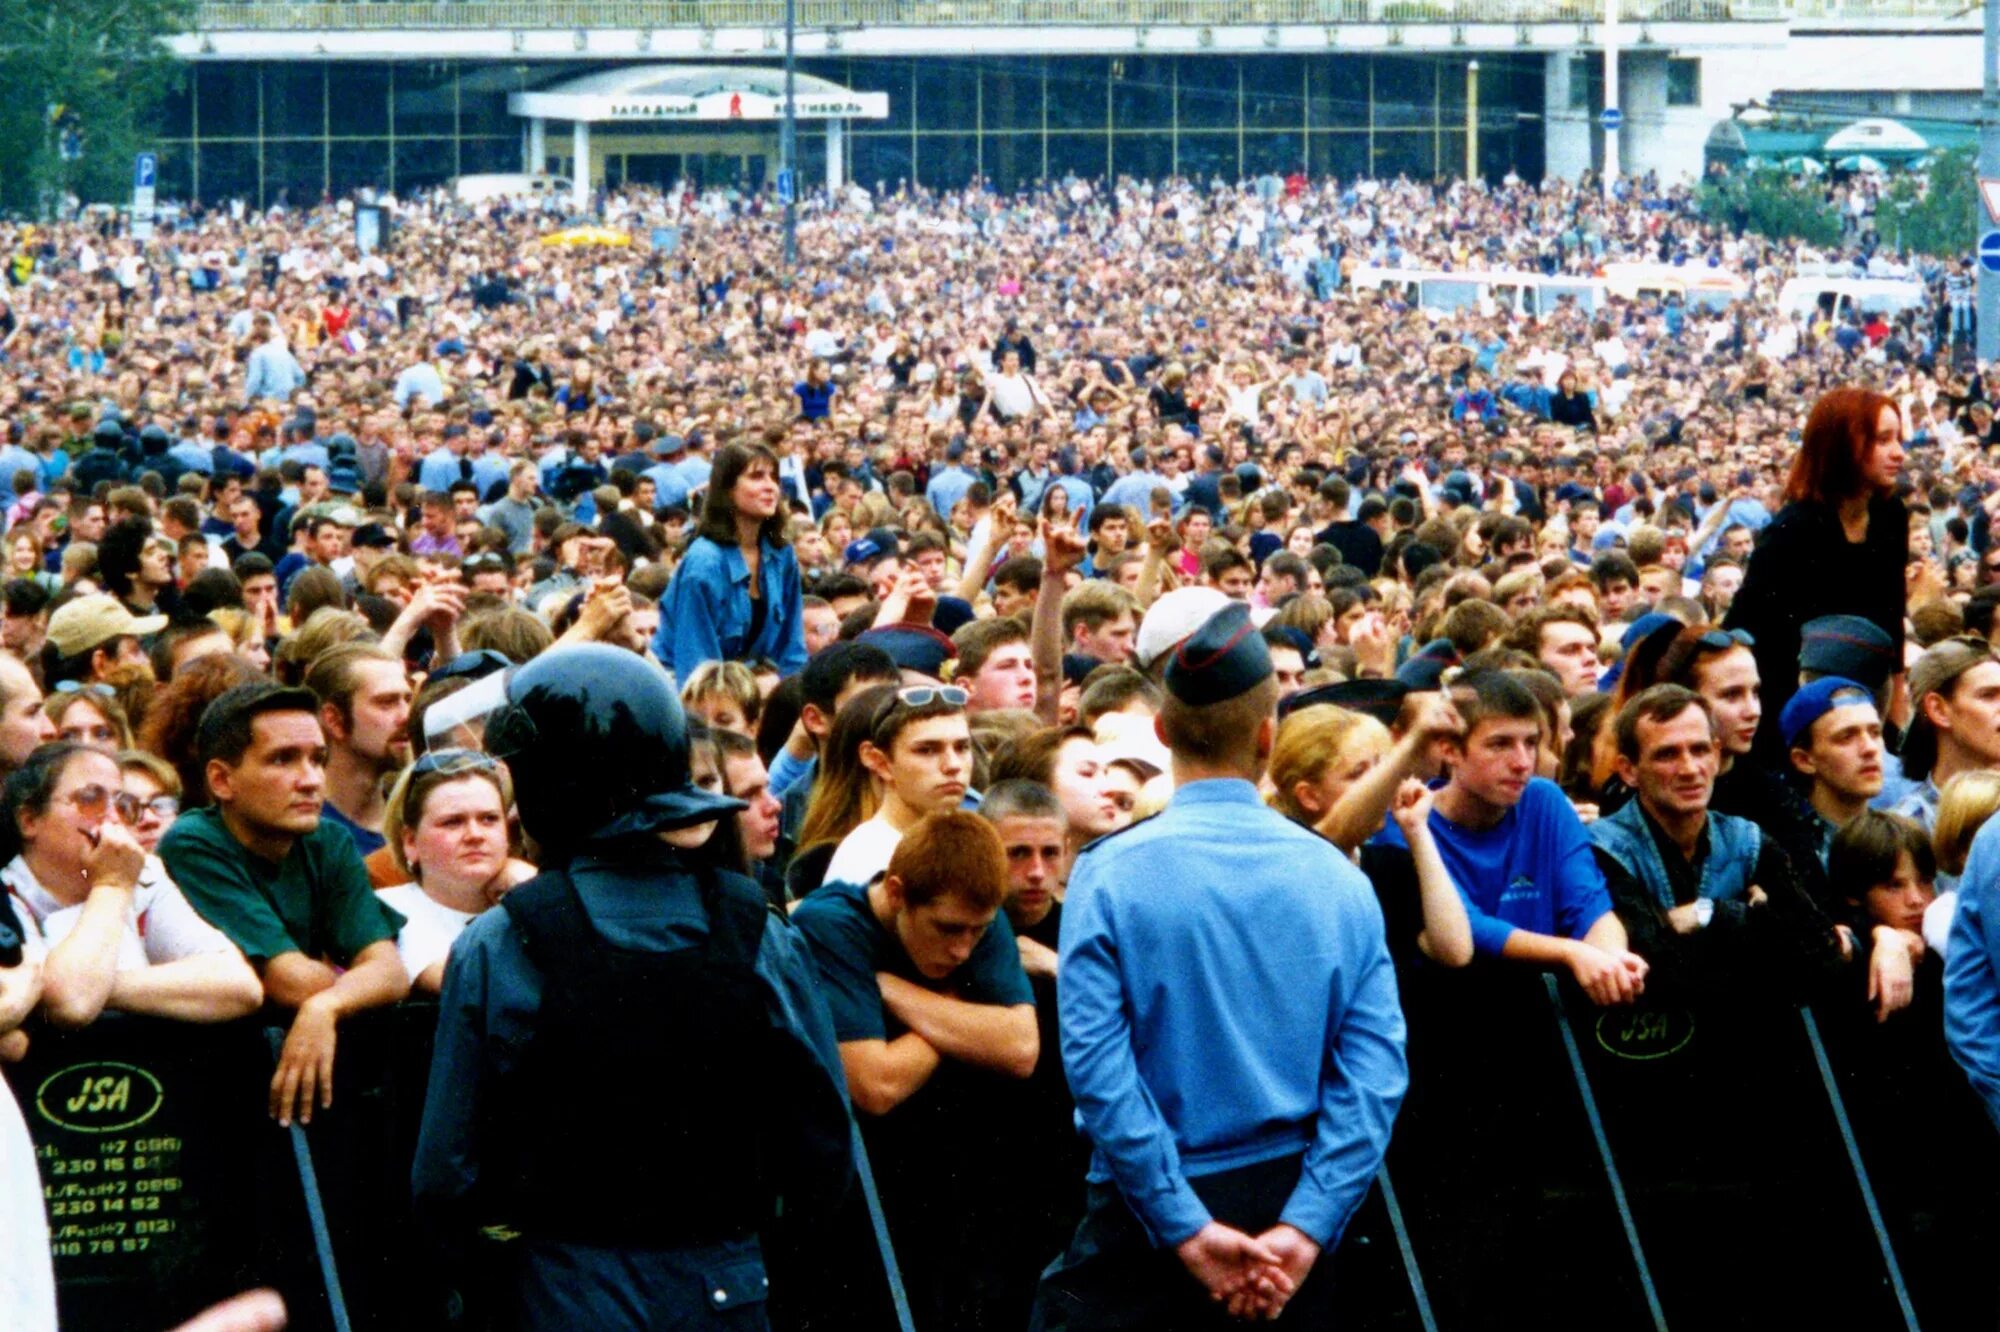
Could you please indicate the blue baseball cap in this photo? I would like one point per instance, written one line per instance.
(1814, 701)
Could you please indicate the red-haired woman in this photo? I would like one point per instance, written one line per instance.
(1839, 545)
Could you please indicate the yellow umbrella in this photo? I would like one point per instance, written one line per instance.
(587, 236)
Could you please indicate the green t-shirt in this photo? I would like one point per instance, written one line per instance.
(316, 901)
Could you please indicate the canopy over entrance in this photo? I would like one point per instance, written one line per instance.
(684, 95)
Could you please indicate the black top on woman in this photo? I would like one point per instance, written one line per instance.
(1837, 547)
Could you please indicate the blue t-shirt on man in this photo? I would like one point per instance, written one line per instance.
(1533, 870)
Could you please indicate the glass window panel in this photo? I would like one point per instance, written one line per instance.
(1142, 93)
(358, 99)
(422, 163)
(1339, 91)
(1586, 82)
(482, 99)
(811, 155)
(1451, 75)
(175, 119)
(176, 178)
(1012, 160)
(1080, 155)
(1405, 90)
(1412, 155)
(1266, 151)
(1343, 156)
(1077, 91)
(295, 172)
(883, 76)
(1143, 156)
(1683, 82)
(228, 171)
(1012, 95)
(881, 161)
(1451, 153)
(476, 156)
(358, 164)
(1274, 92)
(1208, 93)
(425, 101)
(1207, 155)
(226, 101)
(294, 99)
(946, 161)
(947, 96)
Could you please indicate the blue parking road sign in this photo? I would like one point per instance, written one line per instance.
(145, 171)
(788, 186)
(1989, 252)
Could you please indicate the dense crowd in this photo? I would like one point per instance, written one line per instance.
(1650, 645)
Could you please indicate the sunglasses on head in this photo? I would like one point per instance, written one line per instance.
(1726, 638)
(80, 687)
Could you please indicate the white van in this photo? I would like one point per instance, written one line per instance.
(509, 185)
(1488, 292)
(1840, 297)
(1699, 287)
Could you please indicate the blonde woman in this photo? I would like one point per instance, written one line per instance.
(1341, 773)
(1964, 805)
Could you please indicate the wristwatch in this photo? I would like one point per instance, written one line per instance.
(1704, 912)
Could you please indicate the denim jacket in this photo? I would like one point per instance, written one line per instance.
(1733, 847)
(707, 612)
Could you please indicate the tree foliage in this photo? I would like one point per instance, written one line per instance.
(1768, 203)
(1936, 215)
(104, 65)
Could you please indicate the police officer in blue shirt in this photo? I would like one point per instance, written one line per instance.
(632, 1064)
(1230, 1028)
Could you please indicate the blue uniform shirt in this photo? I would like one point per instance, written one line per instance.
(1972, 971)
(1227, 999)
(1533, 870)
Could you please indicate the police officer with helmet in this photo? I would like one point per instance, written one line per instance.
(633, 1070)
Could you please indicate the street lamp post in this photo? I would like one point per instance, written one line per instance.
(788, 145)
(1471, 121)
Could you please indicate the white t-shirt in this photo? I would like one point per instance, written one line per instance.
(429, 927)
(863, 853)
(159, 927)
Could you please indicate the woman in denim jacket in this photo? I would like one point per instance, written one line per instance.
(736, 595)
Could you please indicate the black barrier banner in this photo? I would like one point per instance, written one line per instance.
(1503, 1199)
(1740, 1185)
(151, 1138)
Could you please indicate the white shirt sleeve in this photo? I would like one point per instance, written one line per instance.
(169, 928)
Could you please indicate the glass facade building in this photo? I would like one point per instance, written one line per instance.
(295, 131)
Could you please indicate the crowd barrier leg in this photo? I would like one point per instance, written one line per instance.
(1603, 1142)
(322, 1234)
(1860, 1168)
(1408, 1250)
(897, 1295)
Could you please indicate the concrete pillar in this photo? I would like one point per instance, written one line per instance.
(538, 145)
(580, 170)
(836, 165)
(1645, 75)
(1566, 146)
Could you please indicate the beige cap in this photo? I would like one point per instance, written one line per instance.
(90, 622)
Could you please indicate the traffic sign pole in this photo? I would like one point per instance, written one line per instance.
(1612, 119)
(145, 180)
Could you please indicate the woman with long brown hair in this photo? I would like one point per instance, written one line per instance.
(1837, 547)
(736, 595)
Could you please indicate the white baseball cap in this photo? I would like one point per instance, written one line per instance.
(1172, 618)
